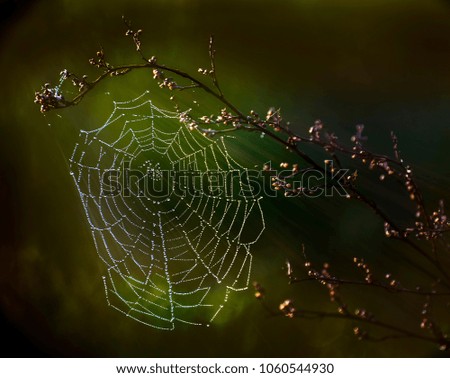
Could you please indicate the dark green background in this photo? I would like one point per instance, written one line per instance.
(381, 62)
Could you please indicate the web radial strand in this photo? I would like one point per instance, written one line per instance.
(174, 247)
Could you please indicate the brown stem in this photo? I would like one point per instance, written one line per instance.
(391, 289)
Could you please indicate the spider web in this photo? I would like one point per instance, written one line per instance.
(170, 257)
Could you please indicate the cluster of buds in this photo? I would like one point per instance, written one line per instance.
(204, 71)
(440, 220)
(332, 140)
(287, 308)
(393, 283)
(158, 74)
(325, 278)
(378, 163)
(331, 283)
(313, 273)
(186, 119)
(420, 231)
(390, 232)
(259, 290)
(80, 83)
(236, 124)
(48, 98)
(273, 118)
(281, 181)
(208, 132)
(351, 178)
(439, 223)
(439, 217)
(426, 322)
(255, 119)
(289, 271)
(444, 345)
(315, 130)
(332, 291)
(118, 72)
(364, 267)
(409, 183)
(99, 60)
(277, 183)
(227, 118)
(343, 309)
(267, 168)
(292, 140)
(294, 168)
(359, 333)
(358, 137)
(254, 116)
(136, 35)
(383, 165)
(207, 119)
(164, 82)
(168, 83)
(363, 314)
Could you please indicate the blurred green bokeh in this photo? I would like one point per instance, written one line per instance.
(380, 62)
